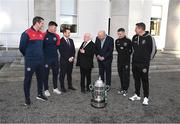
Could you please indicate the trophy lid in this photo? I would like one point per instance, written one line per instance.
(99, 83)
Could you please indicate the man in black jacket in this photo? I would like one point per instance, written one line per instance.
(85, 61)
(67, 54)
(104, 47)
(144, 50)
(124, 49)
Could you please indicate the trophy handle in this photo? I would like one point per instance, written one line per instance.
(91, 87)
(107, 88)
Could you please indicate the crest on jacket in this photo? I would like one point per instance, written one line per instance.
(54, 38)
(125, 44)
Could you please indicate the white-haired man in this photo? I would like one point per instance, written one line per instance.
(85, 61)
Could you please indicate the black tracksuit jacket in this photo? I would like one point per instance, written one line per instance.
(144, 49)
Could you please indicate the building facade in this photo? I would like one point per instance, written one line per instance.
(161, 17)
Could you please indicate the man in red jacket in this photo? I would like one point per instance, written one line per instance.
(31, 46)
(50, 46)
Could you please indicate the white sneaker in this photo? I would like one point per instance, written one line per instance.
(124, 93)
(145, 101)
(120, 92)
(56, 91)
(135, 97)
(47, 93)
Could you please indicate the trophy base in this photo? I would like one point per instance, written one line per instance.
(96, 104)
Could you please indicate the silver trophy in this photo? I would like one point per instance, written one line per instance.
(99, 94)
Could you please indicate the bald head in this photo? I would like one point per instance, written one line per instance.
(87, 37)
(101, 35)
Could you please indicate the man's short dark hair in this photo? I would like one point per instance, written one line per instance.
(65, 29)
(37, 19)
(121, 30)
(52, 23)
(141, 25)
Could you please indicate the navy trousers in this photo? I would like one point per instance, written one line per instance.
(30, 68)
(54, 65)
(105, 72)
(124, 74)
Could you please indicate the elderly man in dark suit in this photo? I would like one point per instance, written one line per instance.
(85, 61)
(67, 54)
(104, 46)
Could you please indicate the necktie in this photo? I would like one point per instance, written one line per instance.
(68, 42)
(84, 44)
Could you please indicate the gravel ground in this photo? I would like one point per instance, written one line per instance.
(75, 107)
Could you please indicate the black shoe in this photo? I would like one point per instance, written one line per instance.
(41, 97)
(27, 102)
(63, 90)
(71, 88)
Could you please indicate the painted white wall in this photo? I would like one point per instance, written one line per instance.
(139, 11)
(14, 20)
(92, 16)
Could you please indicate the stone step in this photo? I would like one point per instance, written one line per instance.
(21, 78)
(12, 72)
(8, 68)
(167, 61)
(157, 61)
(17, 72)
(9, 56)
(161, 63)
(114, 63)
(153, 66)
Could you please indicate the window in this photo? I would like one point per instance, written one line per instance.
(156, 13)
(155, 26)
(68, 15)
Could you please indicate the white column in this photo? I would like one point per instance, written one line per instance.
(119, 15)
(173, 26)
(92, 16)
(45, 9)
(139, 11)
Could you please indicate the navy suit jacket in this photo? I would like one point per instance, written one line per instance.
(107, 50)
(66, 51)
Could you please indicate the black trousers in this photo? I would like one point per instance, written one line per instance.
(124, 74)
(54, 65)
(30, 68)
(141, 75)
(105, 69)
(66, 69)
(85, 74)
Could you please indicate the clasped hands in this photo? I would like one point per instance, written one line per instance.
(100, 58)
